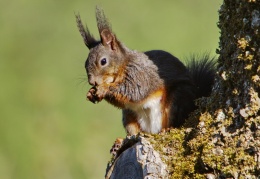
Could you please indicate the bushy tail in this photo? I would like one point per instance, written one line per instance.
(202, 69)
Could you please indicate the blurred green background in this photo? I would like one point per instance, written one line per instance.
(47, 128)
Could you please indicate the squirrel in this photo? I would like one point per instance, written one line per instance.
(154, 89)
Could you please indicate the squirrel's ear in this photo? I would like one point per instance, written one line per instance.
(89, 40)
(108, 39)
(105, 31)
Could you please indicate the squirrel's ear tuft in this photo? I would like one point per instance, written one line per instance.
(89, 40)
(108, 38)
(102, 21)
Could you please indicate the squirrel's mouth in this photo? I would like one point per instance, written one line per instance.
(98, 80)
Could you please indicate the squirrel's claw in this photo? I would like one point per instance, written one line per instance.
(116, 147)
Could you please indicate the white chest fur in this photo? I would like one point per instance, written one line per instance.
(149, 115)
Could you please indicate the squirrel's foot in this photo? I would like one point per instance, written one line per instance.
(120, 145)
(117, 145)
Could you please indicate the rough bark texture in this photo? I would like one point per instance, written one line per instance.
(137, 162)
(225, 143)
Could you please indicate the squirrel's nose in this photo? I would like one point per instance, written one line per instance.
(92, 83)
(91, 80)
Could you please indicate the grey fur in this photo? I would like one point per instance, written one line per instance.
(141, 77)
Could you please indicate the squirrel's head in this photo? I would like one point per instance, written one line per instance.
(106, 56)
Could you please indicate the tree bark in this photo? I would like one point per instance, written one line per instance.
(139, 161)
(226, 141)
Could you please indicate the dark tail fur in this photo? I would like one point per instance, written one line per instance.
(202, 69)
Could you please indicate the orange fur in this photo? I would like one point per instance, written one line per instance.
(165, 108)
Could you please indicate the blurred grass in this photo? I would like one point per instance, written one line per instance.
(47, 129)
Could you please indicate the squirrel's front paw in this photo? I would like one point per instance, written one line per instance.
(91, 95)
(95, 95)
(100, 93)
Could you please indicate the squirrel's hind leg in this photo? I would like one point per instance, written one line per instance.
(130, 122)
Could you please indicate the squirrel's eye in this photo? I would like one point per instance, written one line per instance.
(103, 61)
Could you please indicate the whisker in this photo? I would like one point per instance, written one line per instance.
(81, 81)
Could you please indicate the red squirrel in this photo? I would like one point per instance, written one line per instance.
(154, 89)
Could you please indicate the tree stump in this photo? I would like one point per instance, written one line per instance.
(138, 162)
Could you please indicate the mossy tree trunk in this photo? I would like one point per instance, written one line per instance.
(225, 143)
(232, 117)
